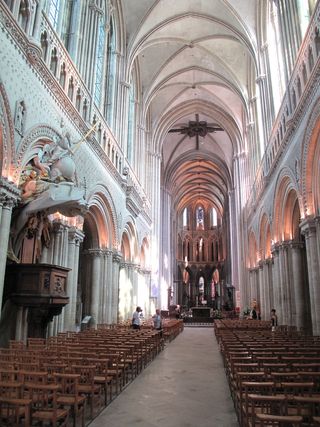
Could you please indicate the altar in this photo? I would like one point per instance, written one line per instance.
(203, 312)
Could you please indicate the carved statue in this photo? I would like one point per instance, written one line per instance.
(54, 160)
(19, 119)
(31, 185)
(38, 229)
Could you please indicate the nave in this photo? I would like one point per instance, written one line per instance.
(184, 386)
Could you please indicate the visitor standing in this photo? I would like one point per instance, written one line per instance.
(136, 321)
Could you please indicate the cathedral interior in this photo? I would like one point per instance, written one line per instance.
(158, 153)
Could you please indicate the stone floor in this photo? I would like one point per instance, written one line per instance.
(185, 386)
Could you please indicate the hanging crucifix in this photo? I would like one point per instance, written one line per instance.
(197, 128)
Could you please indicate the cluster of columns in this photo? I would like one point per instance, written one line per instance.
(289, 281)
(139, 280)
(104, 284)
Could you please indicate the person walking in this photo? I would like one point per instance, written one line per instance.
(157, 321)
(274, 320)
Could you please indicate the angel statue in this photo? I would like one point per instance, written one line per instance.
(54, 160)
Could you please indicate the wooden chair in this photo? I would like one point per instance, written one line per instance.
(306, 406)
(316, 421)
(69, 396)
(45, 407)
(102, 376)
(15, 412)
(243, 407)
(88, 387)
(258, 404)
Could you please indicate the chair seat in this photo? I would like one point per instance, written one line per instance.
(48, 414)
(88, 388)
(70, 400)
(280, 418)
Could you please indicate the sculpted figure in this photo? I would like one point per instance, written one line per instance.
(31, 185)
(55, 160)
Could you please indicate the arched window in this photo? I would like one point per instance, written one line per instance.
(200, 218)
(99, 61)
(214, 218)
(111, 76)
(185, 217)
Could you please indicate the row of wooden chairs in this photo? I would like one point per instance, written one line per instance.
(274, 377)
(67, 380)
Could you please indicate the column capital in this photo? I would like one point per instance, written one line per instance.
(285, 244)
(107, 252)
(95, 252)
(308, 226)
(117, 257)
(275, 249)
(7, 202)
(58, 227)
(294, 244)
(9, 193)
(75, 235)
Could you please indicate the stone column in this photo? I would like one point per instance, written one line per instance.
(249, 287)
(95, 309)
(57, 243)
(308, 228)
(297, 282)
(8, 197)
(6, 211)
(262, 288)
(276, 282)
(285, 294)
(109, 281)
(117, 257)
(75, 237)
(268, 295)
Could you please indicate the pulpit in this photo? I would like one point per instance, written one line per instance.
(42, 288)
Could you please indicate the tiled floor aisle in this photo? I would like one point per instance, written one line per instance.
(185, 386)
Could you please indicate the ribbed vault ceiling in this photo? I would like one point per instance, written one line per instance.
(194, 58)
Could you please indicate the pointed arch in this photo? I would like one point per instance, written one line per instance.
(286, 194)
(129, 243)
(145, 253)
(253, 256)
(311, 164)
(265, 237)
(102, 216)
